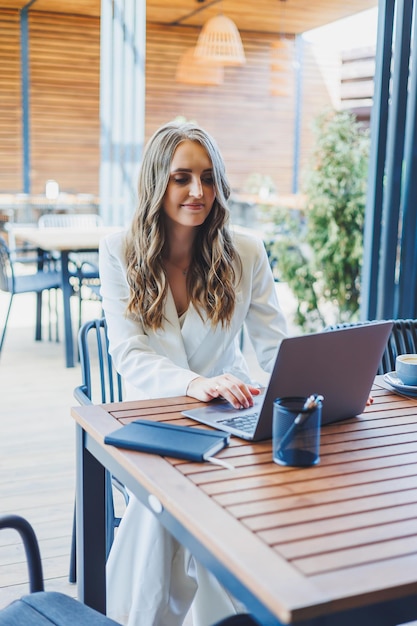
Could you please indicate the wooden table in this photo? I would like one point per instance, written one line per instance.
(64, 241)
(331, 544)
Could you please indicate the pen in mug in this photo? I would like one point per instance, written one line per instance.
(312, 402)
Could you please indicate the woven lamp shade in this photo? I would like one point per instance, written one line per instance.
(194, 71)
(220, 42)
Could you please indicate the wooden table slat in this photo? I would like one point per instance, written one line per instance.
(327, 511)
(354, 538)
(271, 494)
(325, 527)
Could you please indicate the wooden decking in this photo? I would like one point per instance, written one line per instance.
(37, 458)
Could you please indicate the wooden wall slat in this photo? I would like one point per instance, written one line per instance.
(357, 82)
(10, 133)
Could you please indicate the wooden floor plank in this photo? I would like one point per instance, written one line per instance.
(37, 452)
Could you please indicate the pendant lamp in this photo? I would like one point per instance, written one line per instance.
(220, 42)
(192, 70)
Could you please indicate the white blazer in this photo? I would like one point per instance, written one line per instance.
(163, 363)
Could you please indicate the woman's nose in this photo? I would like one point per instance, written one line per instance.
(196, 190)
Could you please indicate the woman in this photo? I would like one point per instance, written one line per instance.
(176, 291)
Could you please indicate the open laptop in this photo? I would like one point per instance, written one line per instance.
(339, 364)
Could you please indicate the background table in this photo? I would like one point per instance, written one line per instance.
(330, 544)
(64, 241)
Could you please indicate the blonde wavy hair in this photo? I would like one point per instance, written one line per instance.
(211, 277)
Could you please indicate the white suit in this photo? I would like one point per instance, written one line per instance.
(151, 578)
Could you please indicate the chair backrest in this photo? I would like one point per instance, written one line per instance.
(6, 268)
(100, 381)
(70, 220)
(402, 340)
(31, 545)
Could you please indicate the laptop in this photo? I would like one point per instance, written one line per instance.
(340, 365)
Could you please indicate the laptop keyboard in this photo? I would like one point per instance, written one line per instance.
(246, 422)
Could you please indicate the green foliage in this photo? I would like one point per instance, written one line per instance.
(321, 260)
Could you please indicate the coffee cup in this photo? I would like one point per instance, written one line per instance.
(406, 368)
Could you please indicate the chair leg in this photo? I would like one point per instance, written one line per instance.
(110, 524)
(38, 330)
(80, 306)
(49, 316)
(73, 556)
(3, 335)
(110, 515)
(56, 316)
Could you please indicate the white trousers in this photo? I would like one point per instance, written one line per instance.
(152, 580)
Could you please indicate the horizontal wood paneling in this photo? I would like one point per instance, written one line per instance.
(10, 127)
(254, 128)
(64, 74)
(357, 82)
(270, 16)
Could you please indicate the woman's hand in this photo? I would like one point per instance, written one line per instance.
(226, 386)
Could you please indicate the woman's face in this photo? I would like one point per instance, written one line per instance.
(190, 192)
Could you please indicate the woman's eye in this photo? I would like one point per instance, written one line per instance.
(184, 180)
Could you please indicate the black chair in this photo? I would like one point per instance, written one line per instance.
(402, 340)
(100, 384)
(46, 608)
(43, 608)
(45, 278)
(100, 381)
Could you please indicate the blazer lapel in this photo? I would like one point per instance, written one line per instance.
(180, 344)
(170, 337)
(194, 331)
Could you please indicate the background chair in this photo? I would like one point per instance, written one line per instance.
(45, 278)
(402, 340)
(84, 268)
(43, 608)
(100, 384)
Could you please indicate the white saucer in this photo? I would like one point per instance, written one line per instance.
(392, 379)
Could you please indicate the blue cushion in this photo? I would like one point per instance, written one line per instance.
(49, 607)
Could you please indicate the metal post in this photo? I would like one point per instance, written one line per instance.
(25, 92)
(407, 280)
(379, 123)
(122, 105)
(106, 73)
(387, 291)
(299, 48)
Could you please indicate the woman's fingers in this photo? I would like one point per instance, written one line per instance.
(226, 386)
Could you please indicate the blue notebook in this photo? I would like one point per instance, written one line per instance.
(181, 442)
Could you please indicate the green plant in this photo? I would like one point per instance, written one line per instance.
(321, 259)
